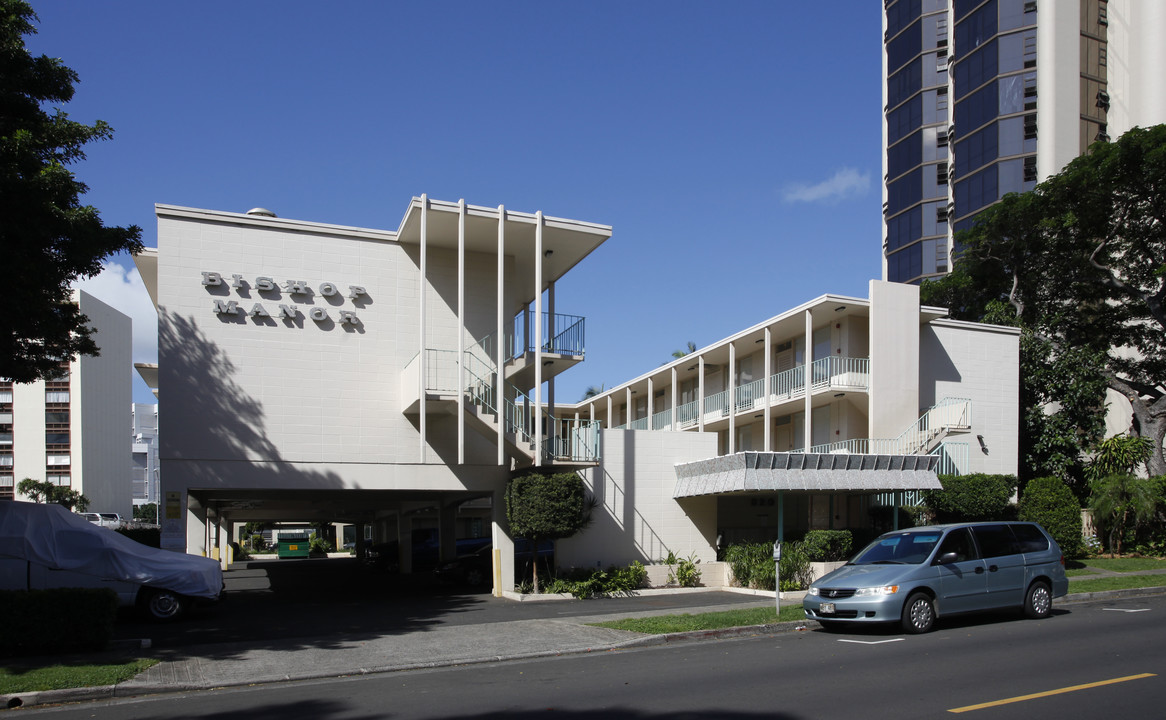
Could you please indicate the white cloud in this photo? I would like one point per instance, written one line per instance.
(845, 183)
(121, 288)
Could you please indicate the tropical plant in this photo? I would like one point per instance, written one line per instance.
(43, 491)
(1118, 455)
(828, 545)
(1122, 499)
(689, 349)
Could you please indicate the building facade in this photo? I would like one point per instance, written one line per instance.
(987, 97)
(396, 380)
(145, 453)
(70, 430)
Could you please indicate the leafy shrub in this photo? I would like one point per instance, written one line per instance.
(828, 545)
(151, 536)
(56, 621)
(594, 583)
(752, 565)
(682, 571)
(1050, 502)
(966, 498)
(318, 545)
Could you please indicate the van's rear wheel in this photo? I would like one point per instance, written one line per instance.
(1038, 601)
(162, 605)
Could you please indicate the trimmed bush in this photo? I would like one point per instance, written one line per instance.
(45, 622)
(1050, 502)
(828, 545)
(968, 498)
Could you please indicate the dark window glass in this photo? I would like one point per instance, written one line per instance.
(1030, 538)
(958, 541)
(56, 418)
(977, 109)
(904, 48)
(976, 29)
(905, 83)
(975, 192)
(905, 228)
(904, 120)
(995, 540)
(901, 14)
(905, 155)
(57, 438)
(905, 191)
(976, 69)
(965, 224)
(976, 150)
(905, 264)
(963, 7)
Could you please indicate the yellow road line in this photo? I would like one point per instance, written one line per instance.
(1047, 693)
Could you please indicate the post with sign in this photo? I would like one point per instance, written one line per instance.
(777, 575)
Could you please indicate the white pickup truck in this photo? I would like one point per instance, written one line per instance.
(47, 546)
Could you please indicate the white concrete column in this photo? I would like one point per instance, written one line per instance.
(500, 337)
(422, 291)
(768, 420)
(503, 552)
(700, 393)
(609, 413)
(538, 339)
(675, 421)
(807, 405)
(732, 378)
(461, 331)
(222, 529)
(651, 405)
(627, 395)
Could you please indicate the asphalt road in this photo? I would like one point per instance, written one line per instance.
(1088, 660)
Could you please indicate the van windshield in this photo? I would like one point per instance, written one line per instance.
(907, 548)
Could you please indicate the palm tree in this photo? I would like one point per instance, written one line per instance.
(681, 353)
(592, 391)
(1118, 499)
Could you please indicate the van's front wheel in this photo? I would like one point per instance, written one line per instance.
(918, 614)
(1038, 601)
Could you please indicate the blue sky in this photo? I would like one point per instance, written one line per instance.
(734, 147)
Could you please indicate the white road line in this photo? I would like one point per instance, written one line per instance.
(1127, 610)
(872, 642)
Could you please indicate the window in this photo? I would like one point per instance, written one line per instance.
(6, 461)
(959, 542)
(56, 396)
(5, 396)
(61, 480)
(1030, 126)
(995, 540)
(56, 460)
(56, 438)
(1030, 538)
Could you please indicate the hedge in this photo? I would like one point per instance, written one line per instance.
(966, 498)
(1050, 502)
(43, 622)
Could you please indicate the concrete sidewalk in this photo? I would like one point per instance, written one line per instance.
(236, 664)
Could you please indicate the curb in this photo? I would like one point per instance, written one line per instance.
(128, 689)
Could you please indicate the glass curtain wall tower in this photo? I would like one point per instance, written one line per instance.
(987, 97)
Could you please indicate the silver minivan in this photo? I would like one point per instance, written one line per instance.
(917, 575)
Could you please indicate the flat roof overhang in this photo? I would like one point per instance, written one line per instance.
(808, 472)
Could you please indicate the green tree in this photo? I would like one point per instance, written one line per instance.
(1118, 455)
(1119, 500)
(546, 507)
(49, 238)
(43, 491)
(970, 497)
(592, 391)
(689, 349)
(147, 513)
(1080, 261)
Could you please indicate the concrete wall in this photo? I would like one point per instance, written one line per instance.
(980, 363)
(894, 358)
(637, 518)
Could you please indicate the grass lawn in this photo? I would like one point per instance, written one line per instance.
(16, 678)
(1117, 583)
(660, 624)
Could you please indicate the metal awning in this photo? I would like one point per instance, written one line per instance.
(811, 472)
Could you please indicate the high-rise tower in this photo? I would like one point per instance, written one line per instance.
(987, 97)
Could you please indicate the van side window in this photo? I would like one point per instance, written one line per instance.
(959, 542)
(995, 540)
(1031, 539)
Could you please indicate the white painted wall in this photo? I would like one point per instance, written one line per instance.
(1136, 64)
(894, 358)
(980, 363)
(1058, 83)
(637, 518)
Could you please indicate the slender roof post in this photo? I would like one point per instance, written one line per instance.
(423, 380)
(807, 382)
(732, 382)
(500, 345)
(538, 338)
(766, 444)
(461, 334)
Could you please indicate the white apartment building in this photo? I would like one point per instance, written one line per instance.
(71, 430)
(391, 379)
(144, 439)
